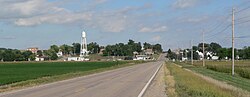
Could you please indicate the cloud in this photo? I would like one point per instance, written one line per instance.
(36, 12)
(27, 8)
(7, 37)
(182, 4)
(196, 19)
(154, 29)
(156, 38)
(53, 19)
(100, 1)
(106, 21)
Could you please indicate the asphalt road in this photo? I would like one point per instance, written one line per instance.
(123, 82)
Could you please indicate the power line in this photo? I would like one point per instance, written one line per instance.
(242, 22)
(212, 36)
(218, 25)
(246, 36)
(243, 3)
(242, 18)
(242, 9)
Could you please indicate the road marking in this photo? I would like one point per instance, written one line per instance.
(150, 80)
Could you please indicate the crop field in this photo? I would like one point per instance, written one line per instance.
(187, 84)
(16, 72)
(242, 68)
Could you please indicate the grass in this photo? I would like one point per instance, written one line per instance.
(188, 84)
(17, 75)
(242, 67)
(169, 82)
(236, 80)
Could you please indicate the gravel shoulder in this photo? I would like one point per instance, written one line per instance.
(157, 87)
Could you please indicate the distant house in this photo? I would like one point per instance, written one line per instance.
(141, 57)
(60, 53)
(215, 58)
(200, 54)
(149, 52)
(39, 59)
(135, 53)
(33, 50)
(101, 51)
(212, 56)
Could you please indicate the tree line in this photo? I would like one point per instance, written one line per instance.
(214, 48)
(119, 49)
(15, 55)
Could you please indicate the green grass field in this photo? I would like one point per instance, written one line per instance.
(16, 72)
(187, 84)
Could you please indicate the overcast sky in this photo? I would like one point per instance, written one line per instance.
(172, 23)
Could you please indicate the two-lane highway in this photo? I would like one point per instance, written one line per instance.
(123, 82)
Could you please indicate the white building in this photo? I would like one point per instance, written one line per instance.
(141, 57)
(215, 58)
(59, 54)
(200, 54)
(39, 59)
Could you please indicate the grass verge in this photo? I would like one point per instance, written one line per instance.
(188, 84)
(236, 80)
(170, 83)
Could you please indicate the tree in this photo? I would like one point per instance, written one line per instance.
(244, 53)
(93, 47)
(76, 48)
(214, 47)
(66, 49)
(131, 42)
(171, 55)
(55, 48)
(18, 55)
(28, 55)
(121, 49)
(200, 47)
(147, 46)
(157, 48)
(51, 54)
(8, 55)
(39, 53)
(1, 55)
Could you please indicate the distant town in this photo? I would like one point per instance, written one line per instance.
(84, 52)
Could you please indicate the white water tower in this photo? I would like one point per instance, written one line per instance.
(83, 49)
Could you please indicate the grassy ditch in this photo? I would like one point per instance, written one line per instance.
(18, 75)
(187, 84)
(236, 80)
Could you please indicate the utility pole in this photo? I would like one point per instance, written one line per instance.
(203, 49)
(192, 61)
(186, 55)
(233, 41)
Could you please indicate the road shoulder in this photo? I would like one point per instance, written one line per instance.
(157, 87)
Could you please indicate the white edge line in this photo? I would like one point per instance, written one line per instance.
(150, 80)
